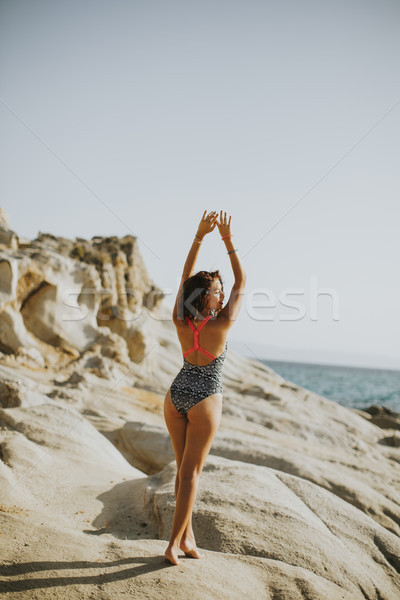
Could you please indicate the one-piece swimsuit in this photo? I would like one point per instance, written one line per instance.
(193, 383)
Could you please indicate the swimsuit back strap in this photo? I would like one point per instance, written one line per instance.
(196, 337)
(207, 353)
(204, 321)
(192, 327)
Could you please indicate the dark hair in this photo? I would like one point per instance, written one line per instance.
(193, 298)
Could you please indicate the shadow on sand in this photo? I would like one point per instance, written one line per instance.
(145, 564)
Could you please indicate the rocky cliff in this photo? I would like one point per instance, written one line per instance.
(299, 497)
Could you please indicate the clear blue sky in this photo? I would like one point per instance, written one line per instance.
(135, 117)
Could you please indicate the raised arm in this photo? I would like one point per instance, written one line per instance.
(224, 226)
(207, 224)
(232, 308)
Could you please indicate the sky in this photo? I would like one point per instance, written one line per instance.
(134, 117)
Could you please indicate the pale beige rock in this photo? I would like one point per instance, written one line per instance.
(107, 568)
(30, 357)
(60, 460)
(111, 346)
(298, 498)
(53, 292)
(13, 334)
(355, 469)
(8, 238)
(258, 511)
(4, 218)
(15, 393)
(146, 447)
(266, 535)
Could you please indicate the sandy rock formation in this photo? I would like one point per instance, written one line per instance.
(58, 295)
(8, 238)
(263, 512)
(4, 219)
(299, 497)
(342, 455)
(288, 536)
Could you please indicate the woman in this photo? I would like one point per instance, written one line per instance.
(193, 404)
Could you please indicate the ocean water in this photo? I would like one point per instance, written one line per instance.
(354, 387)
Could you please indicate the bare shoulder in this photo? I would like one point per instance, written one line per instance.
(222, 321)
(179, 323)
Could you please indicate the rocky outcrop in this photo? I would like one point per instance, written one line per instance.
(59, 296)
(8, 238)
(251, 510)
(346, 459)
(299, 497)
(85, 504)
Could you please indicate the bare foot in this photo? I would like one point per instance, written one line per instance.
(171, 554)
(189, 548)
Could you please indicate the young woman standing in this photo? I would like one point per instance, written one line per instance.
(193, 404)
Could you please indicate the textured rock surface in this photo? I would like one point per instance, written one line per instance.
(57, 293)
(299, 497)
(258, 511)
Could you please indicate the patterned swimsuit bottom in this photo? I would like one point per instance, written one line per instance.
(196, 382)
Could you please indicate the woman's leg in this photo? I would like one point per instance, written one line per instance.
(203, 421)
(176, 424)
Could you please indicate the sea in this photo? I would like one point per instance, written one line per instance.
(354, 387)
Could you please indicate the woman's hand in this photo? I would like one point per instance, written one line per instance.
(207, 223)
(224, 225)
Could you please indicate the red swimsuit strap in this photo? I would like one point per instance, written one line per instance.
(197, 329)
(196, 337)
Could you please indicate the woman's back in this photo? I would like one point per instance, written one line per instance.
(212, 336)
